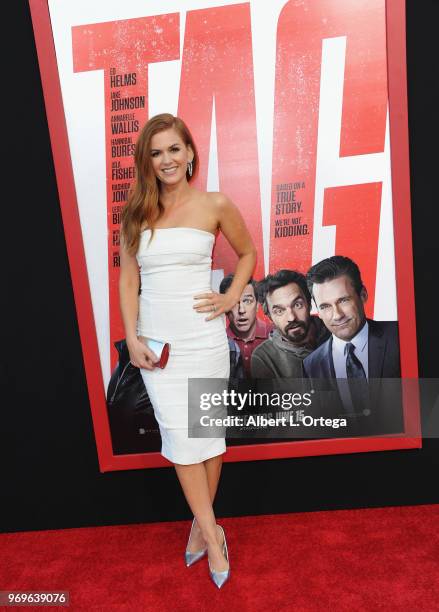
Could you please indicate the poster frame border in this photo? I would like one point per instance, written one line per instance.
(398, 120)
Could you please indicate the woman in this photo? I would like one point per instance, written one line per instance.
(168, 228)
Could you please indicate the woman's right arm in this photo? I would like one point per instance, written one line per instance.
(129, 281)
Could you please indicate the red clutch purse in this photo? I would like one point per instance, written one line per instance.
(161, 349)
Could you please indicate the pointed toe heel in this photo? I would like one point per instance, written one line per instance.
(192, 557)
(220, 578)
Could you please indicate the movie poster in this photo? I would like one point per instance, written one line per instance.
(298, 110)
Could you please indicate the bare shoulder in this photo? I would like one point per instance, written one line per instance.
(231, 222)
(220, 204)
(219, 200)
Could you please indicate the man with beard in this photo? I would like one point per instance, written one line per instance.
(286, 300)
(245, 329)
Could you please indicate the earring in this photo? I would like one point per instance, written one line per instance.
(189, 168)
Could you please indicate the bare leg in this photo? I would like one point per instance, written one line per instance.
(213, 471)
(193, 480)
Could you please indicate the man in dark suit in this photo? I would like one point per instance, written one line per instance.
(359, 351)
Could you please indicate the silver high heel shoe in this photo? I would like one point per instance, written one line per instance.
(219, 578)
(192, 557)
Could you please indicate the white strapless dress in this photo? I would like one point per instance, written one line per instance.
(174, 267)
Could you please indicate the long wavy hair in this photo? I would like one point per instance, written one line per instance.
(143, 203)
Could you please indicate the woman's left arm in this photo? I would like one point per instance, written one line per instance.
(232, 225)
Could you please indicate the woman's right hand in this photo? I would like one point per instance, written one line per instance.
(140, 355)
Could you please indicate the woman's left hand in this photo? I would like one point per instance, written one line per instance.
(214, 303)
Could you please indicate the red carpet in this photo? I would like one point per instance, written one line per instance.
(354, 560)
